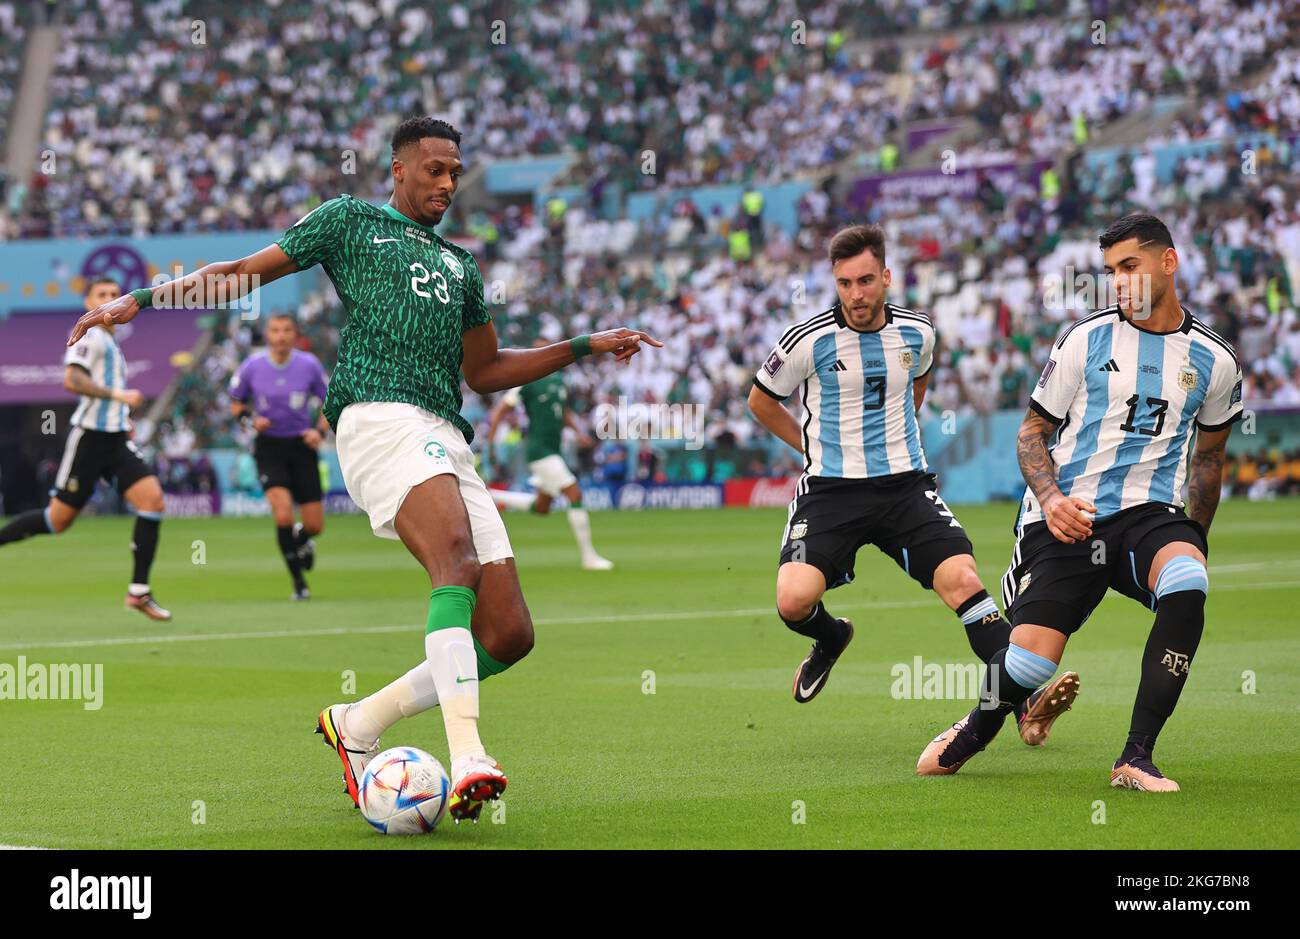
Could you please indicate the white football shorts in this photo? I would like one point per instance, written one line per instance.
(387, 448)
(551, 475)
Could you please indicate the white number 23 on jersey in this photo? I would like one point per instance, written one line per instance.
(422, 276)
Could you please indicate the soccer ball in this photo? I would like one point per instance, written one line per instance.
(404, 792)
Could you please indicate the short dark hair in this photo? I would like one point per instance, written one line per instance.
(1139, 225)
(415, 129)
(96, 281)
(284, 316)
(852, 241)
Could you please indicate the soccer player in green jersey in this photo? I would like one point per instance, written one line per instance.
(417, 322)
(545, 402)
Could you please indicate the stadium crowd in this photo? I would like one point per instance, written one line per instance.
(222, 124)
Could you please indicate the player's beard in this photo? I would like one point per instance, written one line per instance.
(871, 318)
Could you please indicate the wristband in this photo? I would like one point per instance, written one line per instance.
(581, 345)
(246, 420)
(143, 296)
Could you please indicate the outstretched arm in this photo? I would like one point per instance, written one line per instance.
(215, 284)
(1064, 514)
(1205, 477)
(488, 368)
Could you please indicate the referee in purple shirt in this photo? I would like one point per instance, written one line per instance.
(275, 391)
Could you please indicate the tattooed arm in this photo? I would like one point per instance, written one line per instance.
(77, 380)
(1205, 477)
(1065, 516)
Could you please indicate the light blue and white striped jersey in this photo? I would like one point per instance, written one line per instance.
(98, 353)
(1127, 401)
(857, 391)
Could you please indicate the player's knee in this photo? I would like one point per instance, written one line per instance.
(458, 564)
(794, 603)
(58, 522)
(1027, 669)
(1181, 574)
(283, 519)
(968, 582)
(312, 529)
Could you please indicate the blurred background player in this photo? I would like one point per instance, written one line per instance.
(99, 446)
(1123, 395)
(864, 366)
(275, 392)
(545, 402)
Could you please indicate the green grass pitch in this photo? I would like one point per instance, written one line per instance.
(218, 706)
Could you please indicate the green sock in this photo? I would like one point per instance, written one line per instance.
(487, 666)
(450, 607)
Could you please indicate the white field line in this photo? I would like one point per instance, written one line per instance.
(413, 626)
(561, 621)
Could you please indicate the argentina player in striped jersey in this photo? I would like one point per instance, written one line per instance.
(1128, 392)
(863, 367)
(99, 446)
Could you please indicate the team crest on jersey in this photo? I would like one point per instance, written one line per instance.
(73, 484)
(798, 530)
(907, 359)
(453, 263)
(1187, 379)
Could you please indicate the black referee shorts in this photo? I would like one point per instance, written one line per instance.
(92, 455)
(902, 515)
(288, 462)
(1058, 585)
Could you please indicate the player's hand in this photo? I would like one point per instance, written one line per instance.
(131, 398)
(311, 436)
(1069, 519)
(623, 343)
(114, 312)
(261, 423)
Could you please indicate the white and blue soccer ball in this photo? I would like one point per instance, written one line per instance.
(404, 791)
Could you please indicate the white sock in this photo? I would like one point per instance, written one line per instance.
(137, 590)
(513, 500)
(368, 718)
(581, 525)
(455, 675)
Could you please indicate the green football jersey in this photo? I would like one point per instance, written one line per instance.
(544, 402)
(409, 295)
